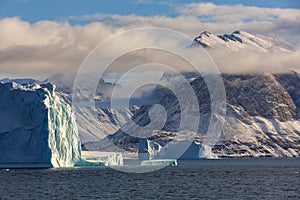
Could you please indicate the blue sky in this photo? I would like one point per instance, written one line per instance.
(35, 10)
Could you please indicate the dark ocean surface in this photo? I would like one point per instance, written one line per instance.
(260, 178)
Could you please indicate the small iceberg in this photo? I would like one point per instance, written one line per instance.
(147, 149)
(162, 162)
(89, 163)
(181, 150)
(99, 158)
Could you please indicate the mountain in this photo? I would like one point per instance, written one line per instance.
(261, 120)
(24, 81)
(262, 110)
(239, 40)
(94, 122)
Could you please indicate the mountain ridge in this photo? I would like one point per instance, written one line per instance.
(239, 40)
(269, 126)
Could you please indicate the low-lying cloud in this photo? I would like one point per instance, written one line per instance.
(46, 46)
(245, 61)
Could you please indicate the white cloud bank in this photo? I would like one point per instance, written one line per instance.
(46, 46)
(51, 47)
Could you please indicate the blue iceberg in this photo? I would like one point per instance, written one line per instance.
(37, 127)
(181, 150)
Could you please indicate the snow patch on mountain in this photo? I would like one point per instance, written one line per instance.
(99, 120)
(242, 40)
(262, 118)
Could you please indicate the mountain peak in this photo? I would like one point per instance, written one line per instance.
(236, 32)
(206, 33)
(239, 40)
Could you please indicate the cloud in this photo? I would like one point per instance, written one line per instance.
(46, 47)
(233, 13)
(278, 22)
(196, 17)
(245, 61)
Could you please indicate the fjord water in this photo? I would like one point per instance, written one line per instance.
(259, 178)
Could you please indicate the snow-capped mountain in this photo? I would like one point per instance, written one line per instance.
(262, 117)
(24, 81)
(239, 40)
(262, 109)
(94, 122)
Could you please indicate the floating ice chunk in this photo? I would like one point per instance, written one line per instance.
(206, 152)
(89, 163)
(163, 162)
(182, 150)
(147, 149)
(106, 158)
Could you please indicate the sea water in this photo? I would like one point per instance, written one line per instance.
(260, 178)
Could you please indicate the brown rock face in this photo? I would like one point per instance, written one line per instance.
(261, 117)
(260, 95)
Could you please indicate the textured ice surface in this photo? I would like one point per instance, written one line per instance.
(104, 158)
(37, 128)
(206, 152)
(183, 150)
(147, 149)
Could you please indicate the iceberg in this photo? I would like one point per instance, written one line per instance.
(181, 150)
(89, 163)
(206, 152)
(37, 127)
(147, 149)
(98, 158)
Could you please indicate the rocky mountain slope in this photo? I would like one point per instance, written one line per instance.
(261, 121)
(262, 110)
(94, 122)
(262, 115)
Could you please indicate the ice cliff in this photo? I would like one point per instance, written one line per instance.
(37, 127)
